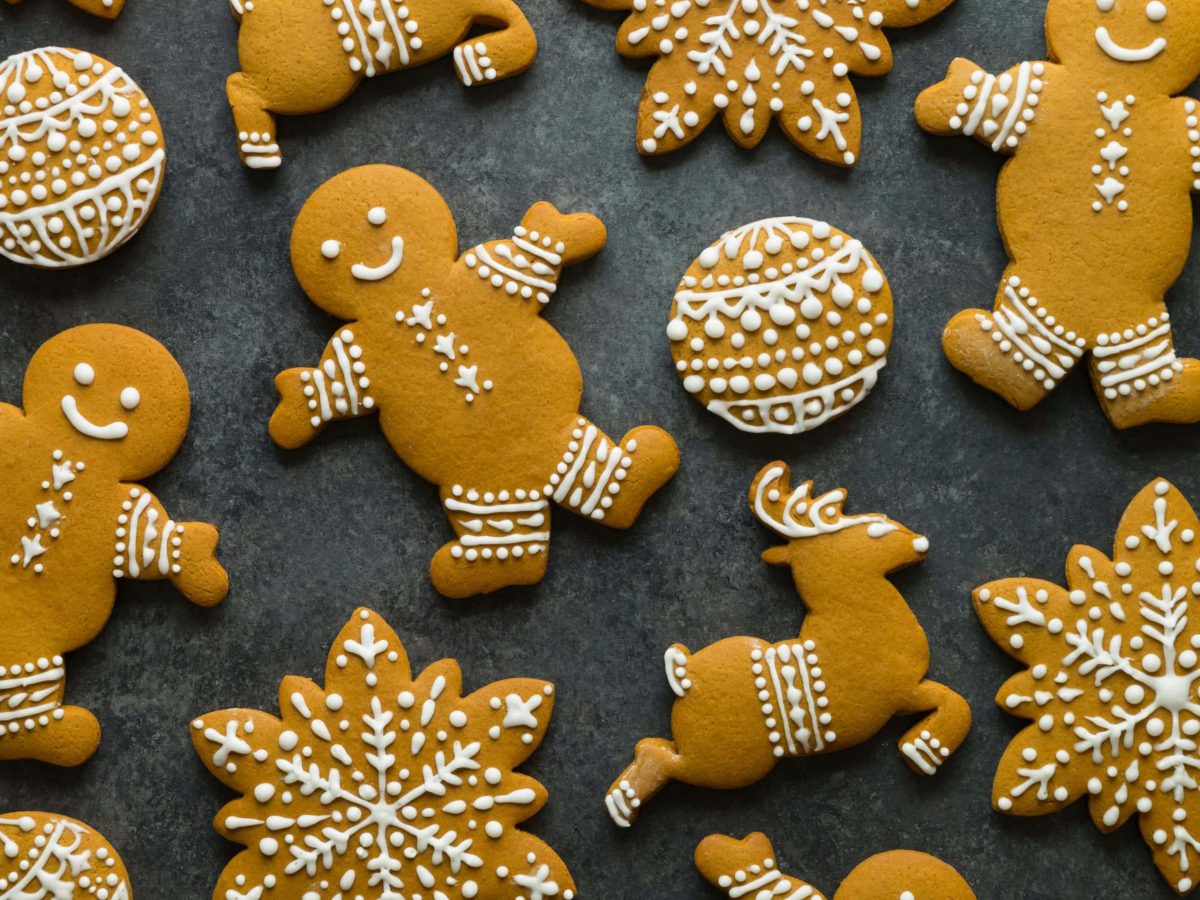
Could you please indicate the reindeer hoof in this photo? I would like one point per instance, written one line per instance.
(622, 804)
(925, 753)
(258, 151)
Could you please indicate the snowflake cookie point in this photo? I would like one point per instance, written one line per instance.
(388, 785)
(751, 63)
(1111, 682)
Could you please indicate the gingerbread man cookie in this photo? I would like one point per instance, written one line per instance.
(475, 391)
(305, 57)
(382, 785)
(104, 406)
(81, 158)
(781, 325)
(751, 61)
(1094, 207)
(1110, 683)
(44, 856)
(747, 870)
(861, 658)
(105, 9)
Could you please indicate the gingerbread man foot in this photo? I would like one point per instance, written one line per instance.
(68, 736)
(980, 350)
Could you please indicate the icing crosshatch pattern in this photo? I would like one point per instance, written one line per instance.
(309, 535)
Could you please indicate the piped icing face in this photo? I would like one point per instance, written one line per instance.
(114, 389)
(1157, 41)
(358, 231)
(81, 157)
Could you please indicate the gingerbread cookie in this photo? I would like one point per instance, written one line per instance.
(781, 325)
(1094, 207)
(1110, 682)
(383, 785)
(744, 703)
(81, 158)
(105, 9)
(748, 869)
(104, 406)
(300, 58)
(475, 391)
(44, 856)
(751, 61)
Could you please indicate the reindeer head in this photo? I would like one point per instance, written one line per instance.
(821, 537)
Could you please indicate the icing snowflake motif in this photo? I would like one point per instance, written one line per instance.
(1111, 683)
(383, 785)
(751, 60)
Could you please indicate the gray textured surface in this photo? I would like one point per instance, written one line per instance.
(308, 535)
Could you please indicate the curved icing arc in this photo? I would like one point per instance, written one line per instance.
(113, 431)
(1127, 54)
(363, 272)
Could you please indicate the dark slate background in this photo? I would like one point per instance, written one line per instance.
(309, 535)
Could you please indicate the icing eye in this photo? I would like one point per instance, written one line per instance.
(130, 398)
(84, 374)
(1156, 11)
(331, 249)
(1105, 5)
(377, 215)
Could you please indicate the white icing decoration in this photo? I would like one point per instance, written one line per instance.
(113, 431)
(363, 272)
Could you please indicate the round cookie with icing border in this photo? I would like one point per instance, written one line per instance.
(748, 869)
(81, 158)
(1094, 206)
(751, 61)
(781, 325)
(104, 406)
(383, 784)
(1109, 684)
(45, 856)
(105, 9)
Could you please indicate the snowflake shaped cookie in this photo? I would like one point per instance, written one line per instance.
(1110, 683)
(382, 785)
(754, 60)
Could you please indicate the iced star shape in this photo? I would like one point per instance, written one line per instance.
(384, 786)
(754, 60)
(1110, 683)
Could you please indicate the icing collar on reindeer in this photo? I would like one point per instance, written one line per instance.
(1156, 11)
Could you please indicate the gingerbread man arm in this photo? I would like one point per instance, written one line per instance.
(149, 546)
(309, 398)
(527, 265)
(997, 110)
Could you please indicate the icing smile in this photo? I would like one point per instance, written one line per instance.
(1125, 54)
(113, 431)
(363, 272)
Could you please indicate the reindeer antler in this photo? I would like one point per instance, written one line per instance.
(795, 514)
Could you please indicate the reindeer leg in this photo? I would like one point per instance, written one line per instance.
(255, 125)
(930, 742)
(498, 54)
(655, 763)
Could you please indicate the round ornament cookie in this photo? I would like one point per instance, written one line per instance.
(81, 158)
(748, 869)
(781, 325)
(44, 856)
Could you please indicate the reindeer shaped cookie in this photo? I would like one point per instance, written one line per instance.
(1094, 206)
(861, 657)
(104, 406)
(305, 56)
(105, 9)
(747, 870)
(475, 391)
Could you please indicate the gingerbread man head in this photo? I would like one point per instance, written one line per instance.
(361, 240)
(1155, 43)
(123, 395)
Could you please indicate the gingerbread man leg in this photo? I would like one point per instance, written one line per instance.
(610, 481)
(931, 741)
(1018, 350)
(498, 54)
(503, 540)
(1139, 379)
(33, 722)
